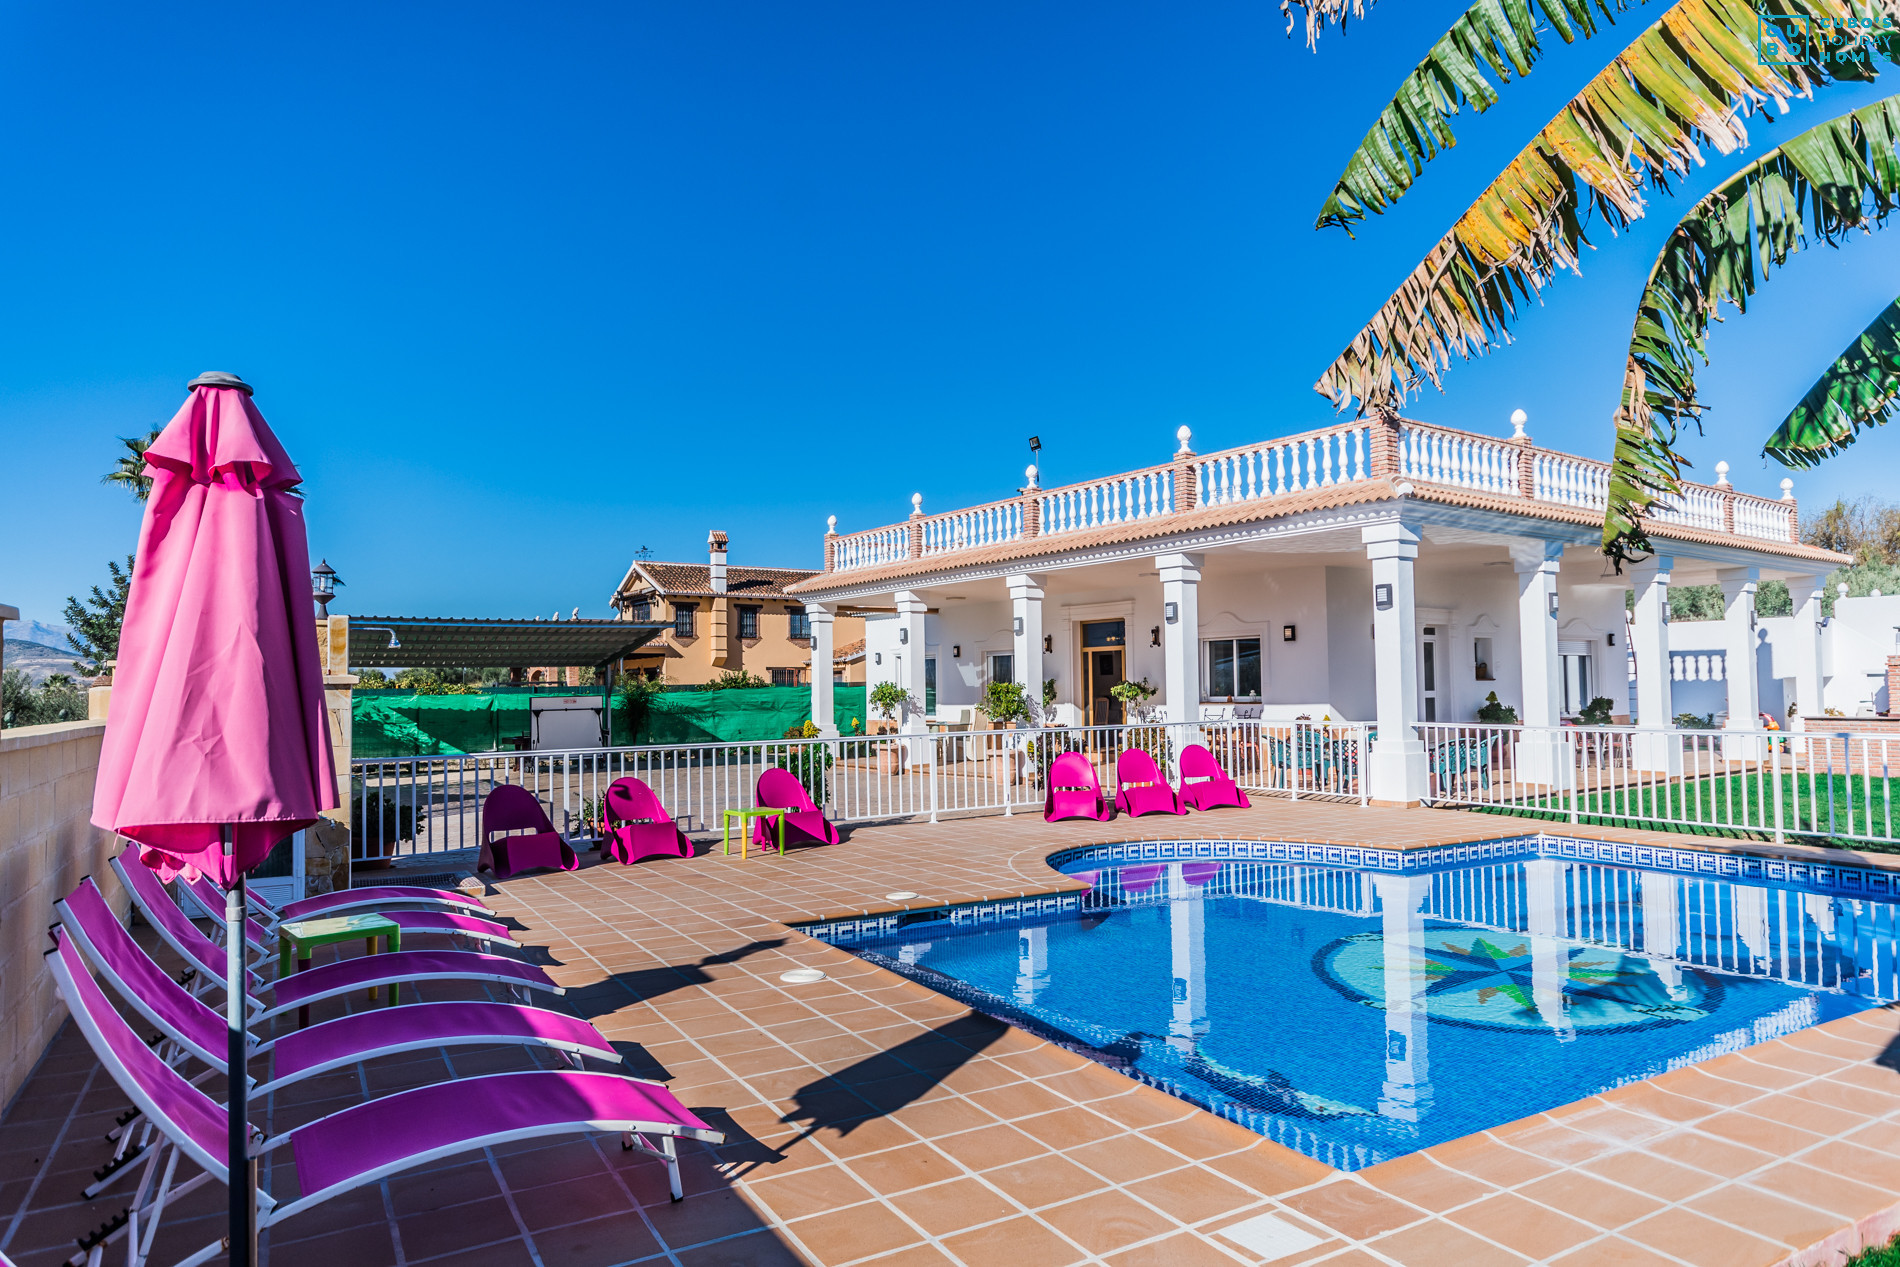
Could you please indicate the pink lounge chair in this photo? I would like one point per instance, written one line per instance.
(1141, 789)
(1074, 791)
(1204, 785)
(638, 826)
(360, 1145)
(209, 899)
(511, 807)
(174, 927)
(806, 824)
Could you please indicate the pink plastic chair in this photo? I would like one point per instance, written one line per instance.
(806, 824)
(1204, 785)
(1074, 791)
(638, 826)
(1141, 789)
(511, 807)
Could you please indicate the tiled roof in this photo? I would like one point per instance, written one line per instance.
(694, 580)
(1262, 510)
(850, 651)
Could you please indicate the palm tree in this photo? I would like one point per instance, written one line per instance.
(129, 471)
(1857, 391)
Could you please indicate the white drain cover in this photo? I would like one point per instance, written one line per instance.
(899, 897)
(805, 976)
(1270, 1237)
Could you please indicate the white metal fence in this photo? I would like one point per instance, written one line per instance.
(418, 805)
(1775, 783)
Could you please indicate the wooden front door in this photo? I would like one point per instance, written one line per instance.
(1105, 672)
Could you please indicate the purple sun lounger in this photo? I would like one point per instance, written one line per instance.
(363, 1144)
(209, 899)
(1074, 791)
(1204, 785)
(638, 826)
(204, 956)
(201, 1031)
(778, 789)
(1140, 788)
(511, 807)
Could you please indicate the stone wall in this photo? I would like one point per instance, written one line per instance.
(326, 856)
(47, 845)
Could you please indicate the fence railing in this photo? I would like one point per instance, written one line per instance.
(993, 524)
(403, 806)
(1317, 459)
(1773, 783)
(1118, 499)
(1442, 456)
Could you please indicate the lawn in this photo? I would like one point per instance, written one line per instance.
(1887, 1255)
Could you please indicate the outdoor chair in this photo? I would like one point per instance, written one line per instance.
(638, 826)
(1075, 791)
(511, 807)
(203, 956)
(361, 1145)
(778, 789)
(1204, 785)
(1141, 788)
(209, 899)
(1457, 759)
(344, 901)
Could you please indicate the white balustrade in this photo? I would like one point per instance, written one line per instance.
(1119, 499)
(1698, 506)
(1318, 459)
(870, 549)
(970, 529)
(1569, 481)
(1458, 458)
(1763, 520)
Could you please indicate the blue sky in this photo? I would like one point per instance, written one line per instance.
(526, 288)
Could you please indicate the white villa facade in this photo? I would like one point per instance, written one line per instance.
(1381, 571)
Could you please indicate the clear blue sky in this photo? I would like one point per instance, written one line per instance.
(524, 288)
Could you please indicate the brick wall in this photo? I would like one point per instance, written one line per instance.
(47, 844)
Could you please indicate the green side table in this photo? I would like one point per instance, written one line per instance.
(745, 817)
(304, 936)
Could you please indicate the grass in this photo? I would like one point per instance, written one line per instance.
(1818, 807)
(1887, 1255)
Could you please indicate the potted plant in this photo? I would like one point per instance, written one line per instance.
(1007, 707)
(1136, 711)
(1496, 714)
(886, 698)
(1596, 712)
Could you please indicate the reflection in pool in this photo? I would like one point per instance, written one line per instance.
(1358, 1016)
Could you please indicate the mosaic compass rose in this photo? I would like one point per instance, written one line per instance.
(1513, 981)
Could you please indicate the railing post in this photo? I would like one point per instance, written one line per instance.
(831, 544)
(1794, 518)
(1187, 481)
(1774, 761)
(1570, 759)
(936, 742)
(1526, 468)
(1384, 429)
(1032, 503)
(916, 525)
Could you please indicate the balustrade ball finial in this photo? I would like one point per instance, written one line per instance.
(831, 524)
(916, 503)
(1787, 490)
(1841, 590)
(1183, 433)
(1518, 419)
(1721, 475)
(1029, 475)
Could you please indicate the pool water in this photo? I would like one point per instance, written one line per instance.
(1358, 1016)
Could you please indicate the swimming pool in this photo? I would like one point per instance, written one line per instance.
(1358, 1013)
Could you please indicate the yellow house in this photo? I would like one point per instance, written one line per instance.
(728, 619)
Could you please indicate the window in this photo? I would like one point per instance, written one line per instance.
(640, 610)
(801, 623)
(748, 622)
(1002, 668)
(1105, 633)
(1481, 659)
(930, 687)
(684, 616)
(784, 677)
(1233, 668)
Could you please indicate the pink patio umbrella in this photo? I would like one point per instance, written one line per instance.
(216, 746)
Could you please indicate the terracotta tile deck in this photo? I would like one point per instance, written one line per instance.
(873, 1120)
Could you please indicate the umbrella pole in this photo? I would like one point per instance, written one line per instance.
(243, 1232)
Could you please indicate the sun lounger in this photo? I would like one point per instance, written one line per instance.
(360, 1145)
(201, 1031)
(368, 972)
(204, 956)
(805, 823)
(510, 807)
(638, 826)
(1204, 785)
(1140, 788)
(1074, 791)
(209, 899)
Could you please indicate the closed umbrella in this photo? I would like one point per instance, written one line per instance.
(216, 746)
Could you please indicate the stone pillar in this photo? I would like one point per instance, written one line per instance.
(1793, 508)
(831, 543)
(1181, 635)
(910, 660)
(1396, 769)
(1032, 503)
(822, 704)
(1384, 438)
(1540, 756)
(1407, 1093)
(1655, 685)
(1187, 474)
(916, 525)
(1025, 602)
(1806, 592)
(326, 860)
(1187, 940)
(1738, 617)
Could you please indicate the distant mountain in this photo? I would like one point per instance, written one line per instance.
(37, 660)
(58, 637)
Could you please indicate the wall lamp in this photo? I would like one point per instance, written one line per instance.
(1171, 612)
(1289, 634)
(877, 657)
(1048, 644)
(1154, 636)
(1553, 603)
(394, 642)
(1019, 626)
(903, 637)
(956, 651)
(1382, 597)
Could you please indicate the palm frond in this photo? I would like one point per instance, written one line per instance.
(128, 472)
(1320, 13)
(1643, 120)
(1835, 177)
(1499, 35)
(1859, 390)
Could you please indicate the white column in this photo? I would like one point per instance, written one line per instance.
(910, 659)
(1407, 1093)
(1181, 634)
(1738, 620)
(821, 618)
(1655, 685)
(1396, 769)
(1187, 939)
(1540, 756)
(1025, 602)
(1806, 592)
(1544, 907)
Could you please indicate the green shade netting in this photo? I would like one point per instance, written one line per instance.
(386, 724)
